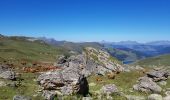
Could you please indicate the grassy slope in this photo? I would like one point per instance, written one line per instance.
(159, 60)
(18, 49)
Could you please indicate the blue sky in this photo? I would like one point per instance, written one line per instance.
(87, 20)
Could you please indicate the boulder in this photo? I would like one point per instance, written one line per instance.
(8, 75)
(109, 89)
(155, 97)
(67, 81)
(158, 75)
(20, 97)
(146, 84)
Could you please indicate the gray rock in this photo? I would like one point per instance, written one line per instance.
(166, 98)
(20, 97)
(49, 95)
(109, 89)
(67, 90)
(146, 84)
(8, 75)
(133, 97)
(155, 97)
(158, 75)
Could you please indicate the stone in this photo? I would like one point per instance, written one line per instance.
(49, 95)
(155, 97)
(109, 89)
(146, 84)
(133, 97)
(166, 98)
(158, 75)
(20, 97)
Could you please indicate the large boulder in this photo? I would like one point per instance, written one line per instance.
(146, 84)
(158, 75)
(67, 81)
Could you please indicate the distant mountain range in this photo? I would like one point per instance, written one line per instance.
(125, 51)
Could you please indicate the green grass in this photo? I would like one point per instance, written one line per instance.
(20, 49)
(124, 81)
(28, 87)
(162, 60)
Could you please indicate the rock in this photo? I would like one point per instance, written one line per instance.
(67, 81)
(146, 84)
(8, 75)
(66, 90)
(167, 93)
(166, 98)
(49, 95)
(155, 97)
(20, 97)
(163, 83)
(2, 83)
(87, 98)
(12, 84)
(133, 97)
(109, 89)
(158, 75)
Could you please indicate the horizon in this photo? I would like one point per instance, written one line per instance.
(87, 20)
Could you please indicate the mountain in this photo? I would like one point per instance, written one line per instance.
(162, 60)
(72, 46)
(137, 50)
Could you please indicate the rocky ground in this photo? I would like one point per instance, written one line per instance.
(92, 75)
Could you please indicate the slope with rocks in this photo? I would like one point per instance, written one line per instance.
(74, 70)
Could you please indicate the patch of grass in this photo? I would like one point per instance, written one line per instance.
(124, 81)
(28, 88)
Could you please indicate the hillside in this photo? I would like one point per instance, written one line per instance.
(27, 49)
(157, 61)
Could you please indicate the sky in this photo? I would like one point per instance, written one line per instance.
(87, 20)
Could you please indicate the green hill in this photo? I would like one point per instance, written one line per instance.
(27, 49)
(163, 60)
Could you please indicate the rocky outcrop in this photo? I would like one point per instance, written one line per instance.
(66, 82)
(158, 75)
(146, 84)
(91, 61)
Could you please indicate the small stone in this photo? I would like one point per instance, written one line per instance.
(20, 97)
(2, 83)
(109, 89)
(155, 97)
